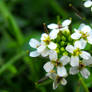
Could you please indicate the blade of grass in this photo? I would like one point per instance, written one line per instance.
(58, 9)
(12, 61)
(11, 22)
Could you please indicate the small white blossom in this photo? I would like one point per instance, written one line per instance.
(88, 3)
(76, 51)
(46, 45)
(64, 60)
(82, 68)
(84, 32)
(57, 80)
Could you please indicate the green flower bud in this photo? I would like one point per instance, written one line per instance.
(62, 43)
(57, 50)
(62, 49)
(63, 38)
(65, 53)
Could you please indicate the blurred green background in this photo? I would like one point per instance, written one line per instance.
(21, 20)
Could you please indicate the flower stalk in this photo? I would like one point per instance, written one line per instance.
(83, 83)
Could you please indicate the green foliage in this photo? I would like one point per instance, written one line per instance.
(21, 20)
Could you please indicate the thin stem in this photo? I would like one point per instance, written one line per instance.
(83, 83)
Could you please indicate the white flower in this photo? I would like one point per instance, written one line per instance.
(46, 41)
(82, 68)
(84, 32)
(65, 23)
(61, 70)
(46, 45)
(34, 44)
(88, 3)
(57, 80)
(76, 51)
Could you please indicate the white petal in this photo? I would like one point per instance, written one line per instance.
(76, 35)
(53, 34)
(34, 43)
(89, 39)
(53, 55)
(63, 81)
(61, 71)
(77, 44)
(34, 54)
(81, 44)
(88, 62)
(64, 60)
(88, 3)
(74, 70)
(52, 46)
(85, 55)
(51, 75)
(85, 73)
(52, 26)
(41, 48)
(55, 84)
(66, 22)
(48, 67)
(44, 36)
(74, 61)
(86, 29)
(64, 29)
(45, 52)
(70, 48)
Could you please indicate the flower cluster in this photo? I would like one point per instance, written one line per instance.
(88, 4)
(66, 51)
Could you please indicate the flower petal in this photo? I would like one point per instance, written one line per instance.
(51, 75)
(86, 29)
(81, 44)
(53, 55)
(85, 55)
(61, 71)
(66, 22)
(44, 36)
(88, 3)
(34, 43)
(34, 54)
(52, 46)
(48, 67)
(74, 70)
(77, 44)
(89, 39)
(45, 53)
(74, 61)
(55, 84)
(64, 60)
(41, 48)
(88, 62)
(85, 73)
(76, 35)
(70, 48)
(63, 81)
(53, 34)
(52, 26)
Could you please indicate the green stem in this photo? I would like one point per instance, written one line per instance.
(83, 83)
